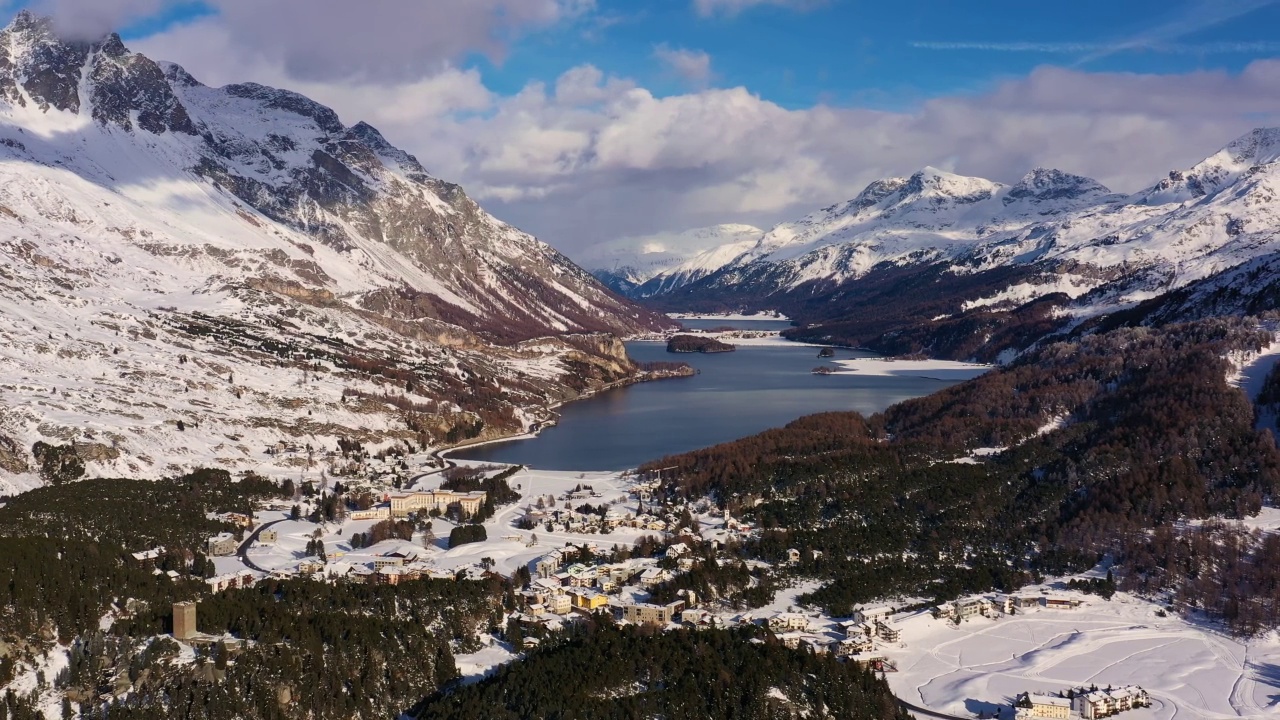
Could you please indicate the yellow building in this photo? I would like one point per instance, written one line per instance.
(589, 600)
(1036, 705)
(405, 503)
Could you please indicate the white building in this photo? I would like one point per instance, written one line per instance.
(1091, 705)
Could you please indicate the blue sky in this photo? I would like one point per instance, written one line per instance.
(854, 53)
(588, 120)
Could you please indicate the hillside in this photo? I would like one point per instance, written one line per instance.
(192, 274)
(938, 263)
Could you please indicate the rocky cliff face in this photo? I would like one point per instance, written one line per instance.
(191, 274)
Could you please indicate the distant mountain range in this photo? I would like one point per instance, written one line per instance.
(962, 267)
(644, 266)
(192, 273)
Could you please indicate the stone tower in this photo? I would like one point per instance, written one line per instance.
(184, 620)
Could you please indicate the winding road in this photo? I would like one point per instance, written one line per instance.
(242, 552)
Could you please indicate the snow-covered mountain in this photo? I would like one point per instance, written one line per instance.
(191, 273)
(976, 247)
(627, 264)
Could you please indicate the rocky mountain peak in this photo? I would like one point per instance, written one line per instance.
(1046, 185)
(871, 195)
(325, 118)
(55, 73)
(941, 186)
(1261, 146)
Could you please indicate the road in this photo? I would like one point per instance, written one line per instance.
(243, 551)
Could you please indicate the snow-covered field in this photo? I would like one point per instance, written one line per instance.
(738, 317)
(933, 369)
(1190, 670)
(508, 547)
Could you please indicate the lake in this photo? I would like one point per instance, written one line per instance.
(734, 395)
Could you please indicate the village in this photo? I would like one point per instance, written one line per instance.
(582, 544)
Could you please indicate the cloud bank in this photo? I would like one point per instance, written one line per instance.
(592, 157)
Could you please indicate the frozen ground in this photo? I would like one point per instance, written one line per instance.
(727, 316)
(507, 546)
(933, 369)
(1190, 670)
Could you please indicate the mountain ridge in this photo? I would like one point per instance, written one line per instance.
(1053, 236)
(193, 274)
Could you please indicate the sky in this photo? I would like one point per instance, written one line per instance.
(584, 121)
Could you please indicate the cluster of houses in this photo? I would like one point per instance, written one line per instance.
(1089, 703)
(990, 606)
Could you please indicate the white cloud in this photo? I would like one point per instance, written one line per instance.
(694, 66)
(707, 8)
(340, 39)
(91, 19)
(593, 157)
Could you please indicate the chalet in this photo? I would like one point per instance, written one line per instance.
(231, 581)
(148, 558)
(1094, 704)
(581, 575)
(546, 586)
(1026, 601)
(788, 621)
(559, 604)
(268, 537)
(310, 565)
(818, 645)
(792, 640)
(238, 519)
(677, 550)
(793, 556)
(390, 575)
(588, 599)
(221, 545)
(360, 574)
(1042, 705)
(654, 577)
(854, 646)
(548, 564)
(964, 609)
(869, 660)
(872, 614)
(696, 618)
(1054, 603)
(887, 632)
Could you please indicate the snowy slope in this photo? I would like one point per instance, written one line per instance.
(238, 261)
(633, 262)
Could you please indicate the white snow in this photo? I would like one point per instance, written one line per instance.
(933, 369)
(1191, 670)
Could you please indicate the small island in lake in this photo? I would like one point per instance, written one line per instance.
(824, 370)
(827, 352)
(694, 343)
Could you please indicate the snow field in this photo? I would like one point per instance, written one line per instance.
(1189, 669)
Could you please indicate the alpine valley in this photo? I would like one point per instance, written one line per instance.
(192, 274)
(239, 338)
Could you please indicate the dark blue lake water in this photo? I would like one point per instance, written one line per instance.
(735, 394)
